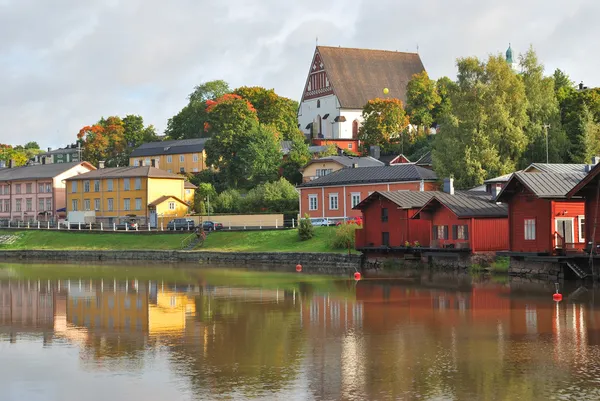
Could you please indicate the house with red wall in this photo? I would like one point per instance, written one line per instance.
(466, 220)
(334, 196)
(588, 189)
(542, 219)
(387, 220)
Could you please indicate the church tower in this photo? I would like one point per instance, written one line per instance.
(509, 58)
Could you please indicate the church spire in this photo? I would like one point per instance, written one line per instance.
(509, 55)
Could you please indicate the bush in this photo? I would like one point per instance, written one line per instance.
(305, 229)
(345, 235)
(228, 201)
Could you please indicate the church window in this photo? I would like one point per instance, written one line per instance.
(327, 82)
(318, 104)
(309, 86)
(355, 129)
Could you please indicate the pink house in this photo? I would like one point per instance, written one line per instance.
(37, 192)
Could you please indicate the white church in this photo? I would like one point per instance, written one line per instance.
(341, 81)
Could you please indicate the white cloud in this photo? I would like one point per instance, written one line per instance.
(64, 64)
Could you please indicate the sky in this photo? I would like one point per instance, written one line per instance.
(66, 63)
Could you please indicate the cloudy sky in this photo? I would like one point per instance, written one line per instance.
(66, 63)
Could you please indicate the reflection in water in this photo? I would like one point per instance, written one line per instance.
(429, 337)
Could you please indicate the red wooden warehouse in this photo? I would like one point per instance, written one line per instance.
(541, 218)
(466, 220)
(589, 189)
(387, 220)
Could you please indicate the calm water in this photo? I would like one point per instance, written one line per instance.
(132, 333)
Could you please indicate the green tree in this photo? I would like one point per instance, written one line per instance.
(32, 145)
(260, 154)
(204, 197)
(384, 121)
(444, 86)
(421, 99)
(305, 228)
(209, 91)
(228, 201)
(330, 150)
(484, 135)
(297, 158)
(273, 110)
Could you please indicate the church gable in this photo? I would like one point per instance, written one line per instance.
(317, 83)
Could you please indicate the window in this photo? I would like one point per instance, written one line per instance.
(581, 228)
(384, 214)
(169, 171)
(126, 204)
(96, 204)
(73, 186)
(7, 205)
(41, 188)
(147, 161)
(86, 204)
(333, 201)
(96, 185)
(321, 172)
(138, 184)
(18, 205)
(169, 159)
(41, 204)
(350, 146)
(28, 188)
(86, 186)
(126, 184)
(138, 203)
(74, 205)
(460, 232)
(18, 188)
(28, 205)
(313, 202)
(49, 204)
(7, 190)
(109, 185)
(171, 205)
(529, 229)
(181, 158)
(385, 239)
(195, 157)
(354, 129)
(195, 169)
(318, 104)
(182, 170)
(110, 204)
(440, 232)
(355, 199)
(136, 163)
(48, 188)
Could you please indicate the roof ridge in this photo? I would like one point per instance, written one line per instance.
(365, 49)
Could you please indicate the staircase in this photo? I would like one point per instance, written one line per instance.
(577, 270)
(190, 242)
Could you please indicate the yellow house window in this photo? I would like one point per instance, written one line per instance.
(195, 157)
(169, 159)
(171, 205)
(181, 158)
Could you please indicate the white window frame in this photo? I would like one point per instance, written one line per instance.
(147, 162)
(48, 204)
(41, 204)
(48, 188)
(580, 233)
(333, 197)
(87, 204)
(86, 186)
(529, 229)
(313, 199)
(136, 163)
(355, 196)
(181, 158)
(572, 220)
(127, 204)
(350, 145)
(109, 185)
(96, 185)
(126, 184)
(74, 205)
(195, 157)
(138, 203)
(138, 184)
(171, 205)
(169, 159)
(73, 187)
(110, 204)
(97, 204)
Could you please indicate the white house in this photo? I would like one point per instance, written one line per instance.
(341, 81)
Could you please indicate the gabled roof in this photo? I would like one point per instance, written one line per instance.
(373, 175)
(543, 185)
(38, 171)
(556, 168)
(425, 160)
(499, 180)
(404, 199)
(60, 151)
(189, 185)
(464, 205)
(125, 172)
(182, 146)
(348, 161)
(359, 75)
(585, 181)
(164, 198)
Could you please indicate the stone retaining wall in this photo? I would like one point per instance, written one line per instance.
(535, 269)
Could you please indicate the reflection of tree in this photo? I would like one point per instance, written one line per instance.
(241, 346)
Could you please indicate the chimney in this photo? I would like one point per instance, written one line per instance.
(354, 165)
(101, 164)
(449, 186)
(581, 85)
(375, 152)
(49, 149)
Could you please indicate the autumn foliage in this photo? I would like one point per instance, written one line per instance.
(384, 121)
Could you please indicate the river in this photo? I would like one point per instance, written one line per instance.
(149, 332)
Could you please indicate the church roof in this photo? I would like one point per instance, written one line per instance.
(359, 75)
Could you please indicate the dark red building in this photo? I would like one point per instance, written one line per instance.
(466, 220)
(588, 189)
(542, 219)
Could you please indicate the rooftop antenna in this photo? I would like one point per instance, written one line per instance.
(417, 48)
(317, 41)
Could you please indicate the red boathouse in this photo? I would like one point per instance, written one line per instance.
(542, 220)
(589, 189)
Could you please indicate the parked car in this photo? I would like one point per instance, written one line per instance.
(212, 226)
(127, 225)
(181, 224)
(320, 222)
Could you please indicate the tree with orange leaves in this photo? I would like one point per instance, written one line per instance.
(385, 121)
(103, 141)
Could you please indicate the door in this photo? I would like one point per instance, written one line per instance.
(565, 229)
(153, 219)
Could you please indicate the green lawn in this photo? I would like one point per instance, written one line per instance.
(42, 239)
(270, 241)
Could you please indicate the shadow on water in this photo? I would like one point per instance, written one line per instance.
(182, 332)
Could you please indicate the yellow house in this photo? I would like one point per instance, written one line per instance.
(326, 165)
(146, 195)
(180, 156)
(169, 312)
(190, 190)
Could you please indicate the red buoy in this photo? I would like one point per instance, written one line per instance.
(298, 268)
(357, 276)
(557, 297)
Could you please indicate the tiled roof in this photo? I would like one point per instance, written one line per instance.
(404, 199)
(544, 185)
(349, 161)
(556, 168)
(124, 172)
(425, 160)
(464, 205)
(359, 75)
(38, 171)
(164, 198)
(182, 146)
(373, 175)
